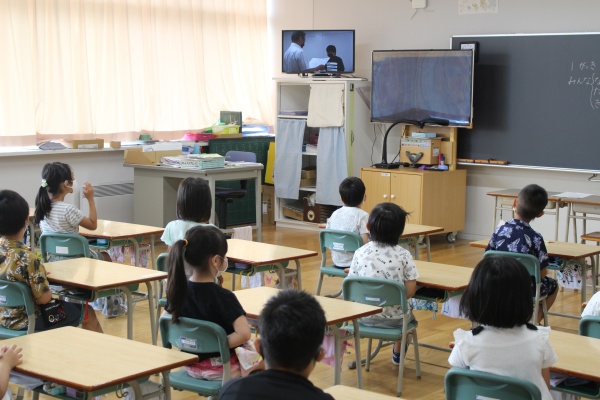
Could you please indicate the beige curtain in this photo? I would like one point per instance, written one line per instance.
(73, 67)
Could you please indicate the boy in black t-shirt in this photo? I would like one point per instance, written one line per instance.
(292, 326)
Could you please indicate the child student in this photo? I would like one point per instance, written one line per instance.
(349, 218)
(518, 236)
(498, 298)
(384, 258)
(200, 297)
(10, 357)
(19, 264)
(53, 214)
(292, 326)
(194, 206)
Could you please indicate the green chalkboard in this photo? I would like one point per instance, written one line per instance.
(536, 100)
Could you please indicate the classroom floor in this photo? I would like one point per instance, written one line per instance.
(383, 375)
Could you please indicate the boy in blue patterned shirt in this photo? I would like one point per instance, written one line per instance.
(518, 236)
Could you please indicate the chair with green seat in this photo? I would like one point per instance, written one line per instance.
(12, 295)
(72, 245)
(464, 383)
(588, 326)
(383, 292)
(533, 267)
(335, 240)
(198, 337)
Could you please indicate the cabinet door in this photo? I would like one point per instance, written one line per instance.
(406, 192)
(378, 188)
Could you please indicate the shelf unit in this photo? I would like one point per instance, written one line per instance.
(292, 103)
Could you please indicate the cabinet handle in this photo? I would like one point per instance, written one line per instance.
(393, 196)
(385, 196)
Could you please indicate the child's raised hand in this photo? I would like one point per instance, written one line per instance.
(88, 190)
(13, 355)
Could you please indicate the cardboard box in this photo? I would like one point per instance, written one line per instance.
(308, 182)
(308, 172)
(268, 204)
(293, 210)
(84, 144)
(138, 156)
(429, 147)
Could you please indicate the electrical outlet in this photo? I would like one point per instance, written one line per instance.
(419, 3)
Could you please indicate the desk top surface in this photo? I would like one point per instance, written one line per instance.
(207, 171)
(119, 230)
(342, 392)
(566, 250)
(257, 253)
(443, 276)
(577, 355)
(91, 274)
(417, 230)
(88, 361)
(591, 200)
(515, 193)
(336, 310)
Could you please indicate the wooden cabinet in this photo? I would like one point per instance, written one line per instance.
(432, 198)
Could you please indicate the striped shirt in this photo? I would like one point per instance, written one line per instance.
(62, 218)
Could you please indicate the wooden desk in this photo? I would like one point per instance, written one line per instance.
(336, 311)
(586, 205)
(504, 200)
(117, 231)
(155, 191)
(569, 252)
(59, 355)
(96, 275)
(263, 256)
(412, 233)
(341, 392)
(577, 355)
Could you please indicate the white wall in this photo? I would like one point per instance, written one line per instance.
(393, 24)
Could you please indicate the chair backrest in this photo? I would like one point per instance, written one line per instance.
(161, 262)
(64, 245)
(378, 292)
(196, 336)
(590, 326)
(17, 294)
(464, 383)
(246, 156)
(529, 261)
(333, 239)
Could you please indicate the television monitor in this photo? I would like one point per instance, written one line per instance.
(422, 87)
(316, 50)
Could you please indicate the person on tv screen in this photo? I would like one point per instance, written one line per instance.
(293, 59)
(335, 63)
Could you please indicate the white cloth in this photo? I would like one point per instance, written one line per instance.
(593, 306)
(350, 219)
(62, 218)
(389, 262)
(332, 165)
(518, 352)
(326, 105)
(288, 157)
(293, 59)
(245, 233)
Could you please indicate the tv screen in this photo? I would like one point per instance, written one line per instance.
(422, 87)
(330, 52)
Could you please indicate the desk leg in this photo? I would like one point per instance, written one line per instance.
(495, 213)
(298, 274)
(556, 221)
(428, 247)
(127, 292)
(151, 309)
(166, 382)
(358, 354)
(415, 240)
(136, 249)
(258, 205)
(137, 390)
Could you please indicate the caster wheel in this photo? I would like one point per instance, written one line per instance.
(451, 237)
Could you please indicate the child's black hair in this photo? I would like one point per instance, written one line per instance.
(386, 223)
(498, 294)
(531, 201)
(53, 174)
(194, 200)
(14, 212)
(200, 244)
(292, 325)
(352, 191)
